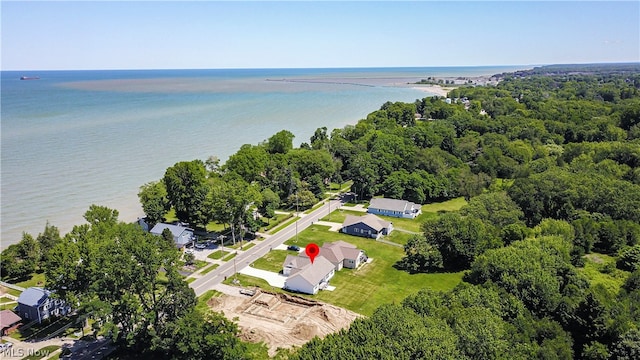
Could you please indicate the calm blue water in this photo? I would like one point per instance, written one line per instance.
(75, 138)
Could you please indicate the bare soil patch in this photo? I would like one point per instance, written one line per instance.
(281, 320)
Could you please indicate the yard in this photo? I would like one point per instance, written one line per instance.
(374, 284)
(273, 260)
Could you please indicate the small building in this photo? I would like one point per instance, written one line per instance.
(182, 236)
(9, 322)
(36, 304)
(368, 225)
(394, 208)
(312, 277)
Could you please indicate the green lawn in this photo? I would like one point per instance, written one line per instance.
(36, 280)
(449, 205)
(338, 216)
(10, 291)
(398, 237)
(273, 260)
(209, 269)
(218, 254)
(230, 256)
(273, 222)
(250, 281)
(284, 225)
(204, 298)
(374, 284)
(248, 246)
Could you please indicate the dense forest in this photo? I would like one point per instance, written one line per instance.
(549, 161)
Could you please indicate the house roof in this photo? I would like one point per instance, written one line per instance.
(332, 253)
(313, 273)
(370, 220)
(392, 204)
(296, 261)
(8, 318)
(351, 253)
(33, 296)
(176, 230)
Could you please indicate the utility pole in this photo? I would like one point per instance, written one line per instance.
(297, 214)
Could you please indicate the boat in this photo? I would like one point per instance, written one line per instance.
(29, 78)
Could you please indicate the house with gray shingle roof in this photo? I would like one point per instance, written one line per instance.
(342, 254)
(368, 225)
(182, 236)
(311, 277)
(37, 304)
(394, 208)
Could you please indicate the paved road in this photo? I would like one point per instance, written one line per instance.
(243, 259)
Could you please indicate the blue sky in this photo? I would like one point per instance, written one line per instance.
(57, 35)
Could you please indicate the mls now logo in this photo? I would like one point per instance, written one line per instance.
(20, 353)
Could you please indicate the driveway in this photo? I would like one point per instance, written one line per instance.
(274, 279)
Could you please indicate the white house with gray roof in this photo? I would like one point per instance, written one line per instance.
(311, 277)
(394, 208)
(182, 236)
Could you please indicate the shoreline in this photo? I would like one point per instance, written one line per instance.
(433, 89)
(201, 113)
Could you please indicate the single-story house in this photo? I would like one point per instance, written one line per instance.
(37, 304)
(311, 277)
(342, 254)
(368, 225)
(182, 236)
(393, 207)
(9, 322)
(292, 263)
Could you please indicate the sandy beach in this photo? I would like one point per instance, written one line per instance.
(434, 89)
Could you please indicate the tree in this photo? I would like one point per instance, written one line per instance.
(249, 162)
(319, 139)
(154, 200)
(20, 260)
(281, 142)
(48, 239)
(101, 216)
(113, 270)
(459, 239)
(187, 189)
(269, 204)
(232, 201)
(496, 208)
(420, 256)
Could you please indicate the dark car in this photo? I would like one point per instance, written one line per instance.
(293, 248)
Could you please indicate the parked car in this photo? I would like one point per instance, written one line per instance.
(201, 245)
(6, 346)
(293, 248)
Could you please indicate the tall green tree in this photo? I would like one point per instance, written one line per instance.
(155, 201)
(187, 189)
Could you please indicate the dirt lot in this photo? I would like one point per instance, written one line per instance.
(280, 320)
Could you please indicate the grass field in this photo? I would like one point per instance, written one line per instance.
(36, 280)
(365, 289)
(449, 205)
(273, 260)
(273, 222)
(340, 215)
(218, 254)
(209, 269)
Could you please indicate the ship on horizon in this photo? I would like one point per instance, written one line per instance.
(29, 78)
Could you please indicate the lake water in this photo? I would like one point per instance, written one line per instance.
(75, 138)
